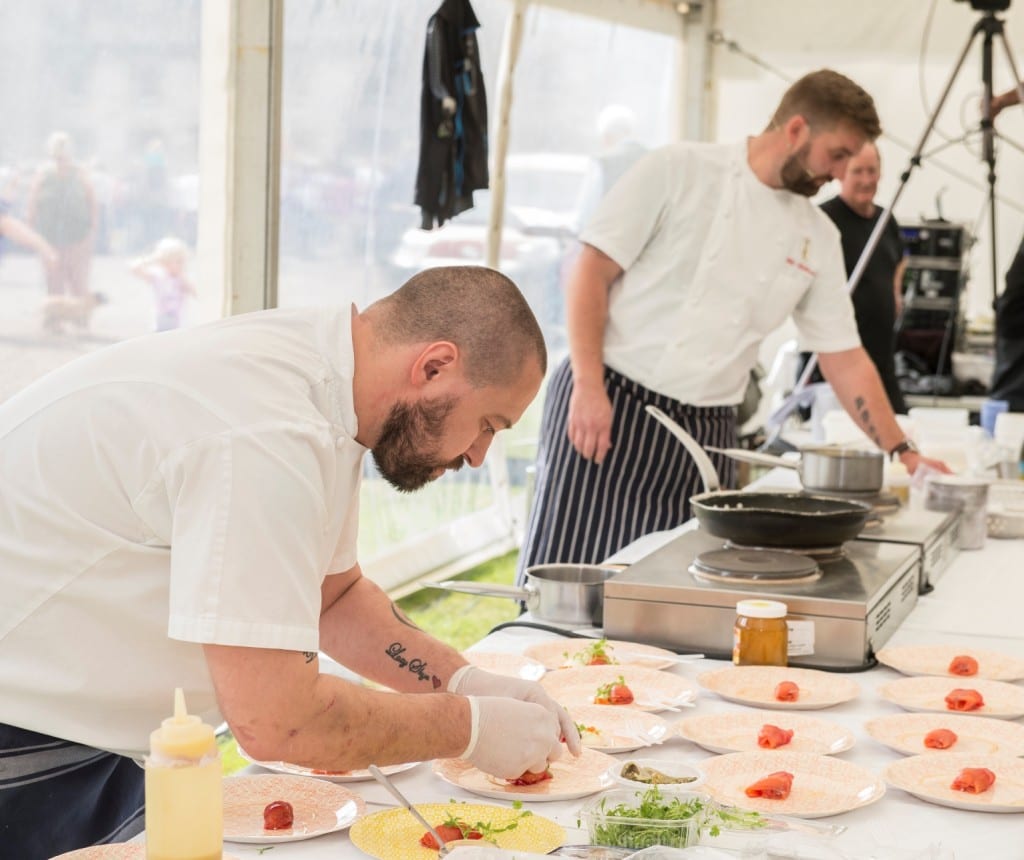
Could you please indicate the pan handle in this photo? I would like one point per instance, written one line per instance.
(485, 589)
(756, 457)
(703, 461)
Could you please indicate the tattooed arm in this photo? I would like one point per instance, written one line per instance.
(855, 380)
(362, 628)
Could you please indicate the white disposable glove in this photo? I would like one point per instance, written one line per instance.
(471, 681)
(509, 737)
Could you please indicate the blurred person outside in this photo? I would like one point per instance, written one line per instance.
(164, 271)
(617, 150)
(878, 296)
(203, 488)
(62, 209)
(695, 255)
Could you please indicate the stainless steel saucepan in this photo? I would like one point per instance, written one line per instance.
(557, 593)
(824, 468)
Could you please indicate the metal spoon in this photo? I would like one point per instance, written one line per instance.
(378, 775)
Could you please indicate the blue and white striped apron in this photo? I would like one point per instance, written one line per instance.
(583, 512)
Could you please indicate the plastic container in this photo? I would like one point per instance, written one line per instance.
(609, 821)
(760, 634)
(967, 495)
(184, 799)
(668, 766)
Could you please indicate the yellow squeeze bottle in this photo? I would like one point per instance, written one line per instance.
(184, 799)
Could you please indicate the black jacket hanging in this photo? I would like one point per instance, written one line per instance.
(453, 116)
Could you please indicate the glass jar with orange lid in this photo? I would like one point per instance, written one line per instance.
(760, 635)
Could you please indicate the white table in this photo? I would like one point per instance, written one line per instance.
(978, 603)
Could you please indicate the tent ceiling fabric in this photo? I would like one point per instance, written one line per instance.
(661, 16)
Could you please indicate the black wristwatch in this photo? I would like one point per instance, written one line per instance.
(902, 448)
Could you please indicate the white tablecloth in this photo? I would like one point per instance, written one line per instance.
(979, 603)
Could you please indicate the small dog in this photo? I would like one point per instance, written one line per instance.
(74, 310)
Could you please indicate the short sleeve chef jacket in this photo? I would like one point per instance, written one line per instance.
(714, 260)
(185, 488)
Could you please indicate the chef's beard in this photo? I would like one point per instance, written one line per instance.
(406, 453)
(797, 178)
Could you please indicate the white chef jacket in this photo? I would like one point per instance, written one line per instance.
(189, 487)
(714, 260)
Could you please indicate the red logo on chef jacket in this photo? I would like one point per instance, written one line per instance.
(801, 264)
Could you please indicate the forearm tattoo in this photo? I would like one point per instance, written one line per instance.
(309, 655)
(401, 616)
(867, 422)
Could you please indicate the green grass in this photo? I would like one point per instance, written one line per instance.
(457, 619)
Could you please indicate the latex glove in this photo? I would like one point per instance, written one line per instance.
(509, 737)
(471, 681)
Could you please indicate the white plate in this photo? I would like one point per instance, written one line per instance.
(928, 694)
(501, 663)
(822, 785)
(116, 851)
(320, 807)
(737, 731)
(331, 775)
(669, 766)
(570, 778)
(755, 685)
(935, 659)
(561, 653)
(929, 777)
(905, 733)
(652, 690)
(618, 730)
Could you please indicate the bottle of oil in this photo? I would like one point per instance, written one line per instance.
(760, 635)
(184, 801)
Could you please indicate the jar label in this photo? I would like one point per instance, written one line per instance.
(801, 638)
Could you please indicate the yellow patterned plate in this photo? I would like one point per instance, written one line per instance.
(755, 685)
(930, 776)
(905, 733)
(822, 785)
(935, 660)
(320, 807)
(570, 778)
(394, 834)
(561, 654)
(116, 851)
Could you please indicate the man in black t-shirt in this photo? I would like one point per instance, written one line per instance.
(877, 296)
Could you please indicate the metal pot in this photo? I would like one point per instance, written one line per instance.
(766, 519)
(557, 593)
(823, 468)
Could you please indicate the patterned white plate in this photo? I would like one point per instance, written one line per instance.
(905, 733)
(935, 659)
(929, 777)
(1002, 700)
(501, 663)
(562, 653)
(570, 778)
(755, 685)
(822, 785)
(395, 835)
(320, 807)
(116, 851)
(737, 731)
(332, 775)
(613, 730)
(652, 690)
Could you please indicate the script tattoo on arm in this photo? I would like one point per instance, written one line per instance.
(860, 404)
(418, 667)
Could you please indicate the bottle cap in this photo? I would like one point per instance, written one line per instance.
(761, 608)
(184, 735)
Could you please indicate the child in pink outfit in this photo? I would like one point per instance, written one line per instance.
(164, 270)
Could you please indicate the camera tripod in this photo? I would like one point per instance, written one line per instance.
(989, 27)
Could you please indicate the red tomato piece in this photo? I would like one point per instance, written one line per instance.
(787, 691)
(775, 786)
(964, 700)
(771, 737)
(278, 815)
(974, 780)
(940, 739)
(448, 832)
(963, 665)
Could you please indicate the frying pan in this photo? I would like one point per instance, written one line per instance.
(766, 519)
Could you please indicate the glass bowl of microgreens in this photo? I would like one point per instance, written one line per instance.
(641, 819)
